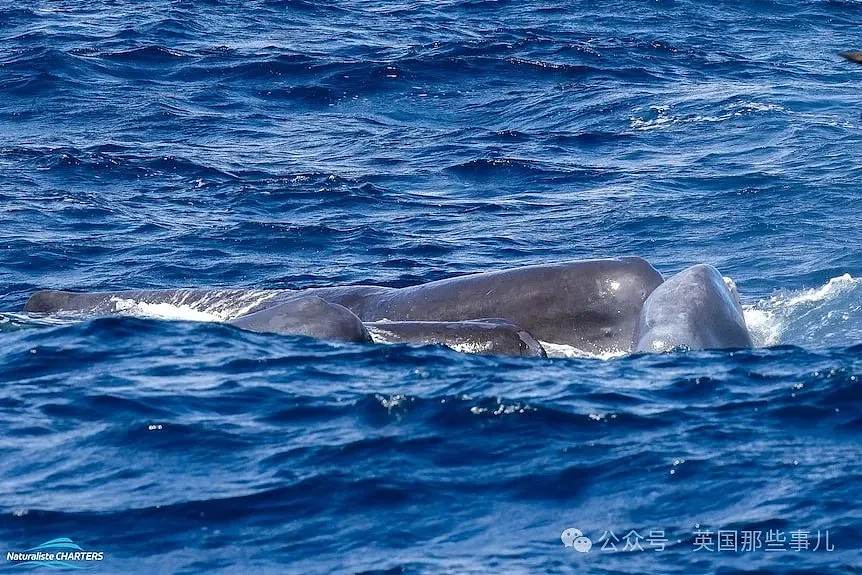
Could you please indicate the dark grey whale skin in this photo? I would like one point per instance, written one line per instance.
(482, 336)
(309, 316)
(592, 305)
(693, 309)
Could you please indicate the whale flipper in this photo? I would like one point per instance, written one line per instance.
(482, 336)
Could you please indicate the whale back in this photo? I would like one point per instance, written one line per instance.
(591, 305)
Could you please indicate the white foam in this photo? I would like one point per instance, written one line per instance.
(168, 311)
(479, 347)
(828, 315)
(381, 335)
(563, 350)
(212, 306)
(832, 288)
(663, 116)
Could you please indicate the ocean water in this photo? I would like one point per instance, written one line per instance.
(299, 143)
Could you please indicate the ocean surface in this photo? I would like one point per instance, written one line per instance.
(299, 143)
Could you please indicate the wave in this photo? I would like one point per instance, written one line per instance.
(663, 116)
(489, 168)
(828, 316)
(147, 54)
(116, 159)
(14, 321)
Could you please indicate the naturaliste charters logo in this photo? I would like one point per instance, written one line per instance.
(60, 553)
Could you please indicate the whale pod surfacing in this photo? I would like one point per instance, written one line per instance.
(590, 305)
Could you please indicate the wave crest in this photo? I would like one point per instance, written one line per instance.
(828, 316)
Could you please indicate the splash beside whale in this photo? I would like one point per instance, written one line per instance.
(605, 306)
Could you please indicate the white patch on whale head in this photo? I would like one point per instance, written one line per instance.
(731, 285)
(734, 294)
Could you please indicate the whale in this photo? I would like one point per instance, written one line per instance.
(310, 316)
(490, 336)
(694, 309)
(590, 305)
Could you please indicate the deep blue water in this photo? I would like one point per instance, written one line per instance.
(308, 143)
